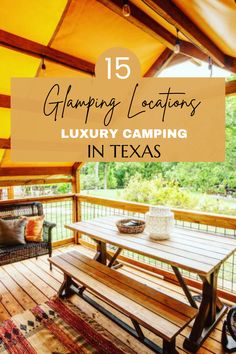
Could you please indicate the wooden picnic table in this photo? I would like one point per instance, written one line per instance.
(198, 252)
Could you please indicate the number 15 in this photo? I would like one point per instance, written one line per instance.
(118, 65)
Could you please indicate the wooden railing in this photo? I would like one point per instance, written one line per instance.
(222, 221)
(43, 199)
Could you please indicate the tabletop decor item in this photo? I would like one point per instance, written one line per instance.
(159, 222)
(130, 226)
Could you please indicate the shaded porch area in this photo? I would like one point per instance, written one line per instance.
(25, 284)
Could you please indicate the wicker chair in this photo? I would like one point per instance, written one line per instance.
(10, 254)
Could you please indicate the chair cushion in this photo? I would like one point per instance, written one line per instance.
(34, 228)
(12, 232)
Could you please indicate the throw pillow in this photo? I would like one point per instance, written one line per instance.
(34, 228)
(12, 232)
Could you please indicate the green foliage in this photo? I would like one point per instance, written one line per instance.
(213, 205)
(88, 182)
(158, 191)
(63, 188)
(170, 194)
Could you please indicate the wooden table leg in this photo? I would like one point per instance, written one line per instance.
(184, 286)
(113, 259)
(101, 255)
(210, 312)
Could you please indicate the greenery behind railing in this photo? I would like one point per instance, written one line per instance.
(59, 212)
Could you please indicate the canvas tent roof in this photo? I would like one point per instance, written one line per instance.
(70, 35)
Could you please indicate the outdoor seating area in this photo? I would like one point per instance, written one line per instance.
(122, 281)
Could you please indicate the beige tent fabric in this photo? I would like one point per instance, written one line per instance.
(217, 19)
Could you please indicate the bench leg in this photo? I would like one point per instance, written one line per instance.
(65, 289)
(138, 330)
(169, 347)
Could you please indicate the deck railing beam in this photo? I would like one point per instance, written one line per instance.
(217, 220)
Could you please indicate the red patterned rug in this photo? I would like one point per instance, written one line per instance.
(57, 327)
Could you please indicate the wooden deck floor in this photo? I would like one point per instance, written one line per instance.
(25, 284)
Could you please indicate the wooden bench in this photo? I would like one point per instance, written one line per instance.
(154, 310)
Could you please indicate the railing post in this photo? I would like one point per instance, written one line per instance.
(76, 201)
(10, 192)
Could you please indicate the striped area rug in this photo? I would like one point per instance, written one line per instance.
(57, 327)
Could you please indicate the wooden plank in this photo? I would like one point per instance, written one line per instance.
(43, 264)
(24, 171)
(4, 315)
(43, 199)
(23, 282)
(230, 88)
(16, 290)
(63, 242)
(9, 302)
(160, 298)
(38, 50)
(5, 101)
(161, 62)
(210, 219)
(220, 241)
(34, 181)
(190, 265)
(161, 246)
(146, 23)
(5, 143)
(42, 273)
(227, 245)
(130, 244)
(178, 241)
(35, 178)
(38, 283)
(216, 246)
(169, 11)
(145, 317)
(154, 280)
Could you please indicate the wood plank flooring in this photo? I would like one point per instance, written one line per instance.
(28, 283)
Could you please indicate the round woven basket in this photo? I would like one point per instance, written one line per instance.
(125, 226)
